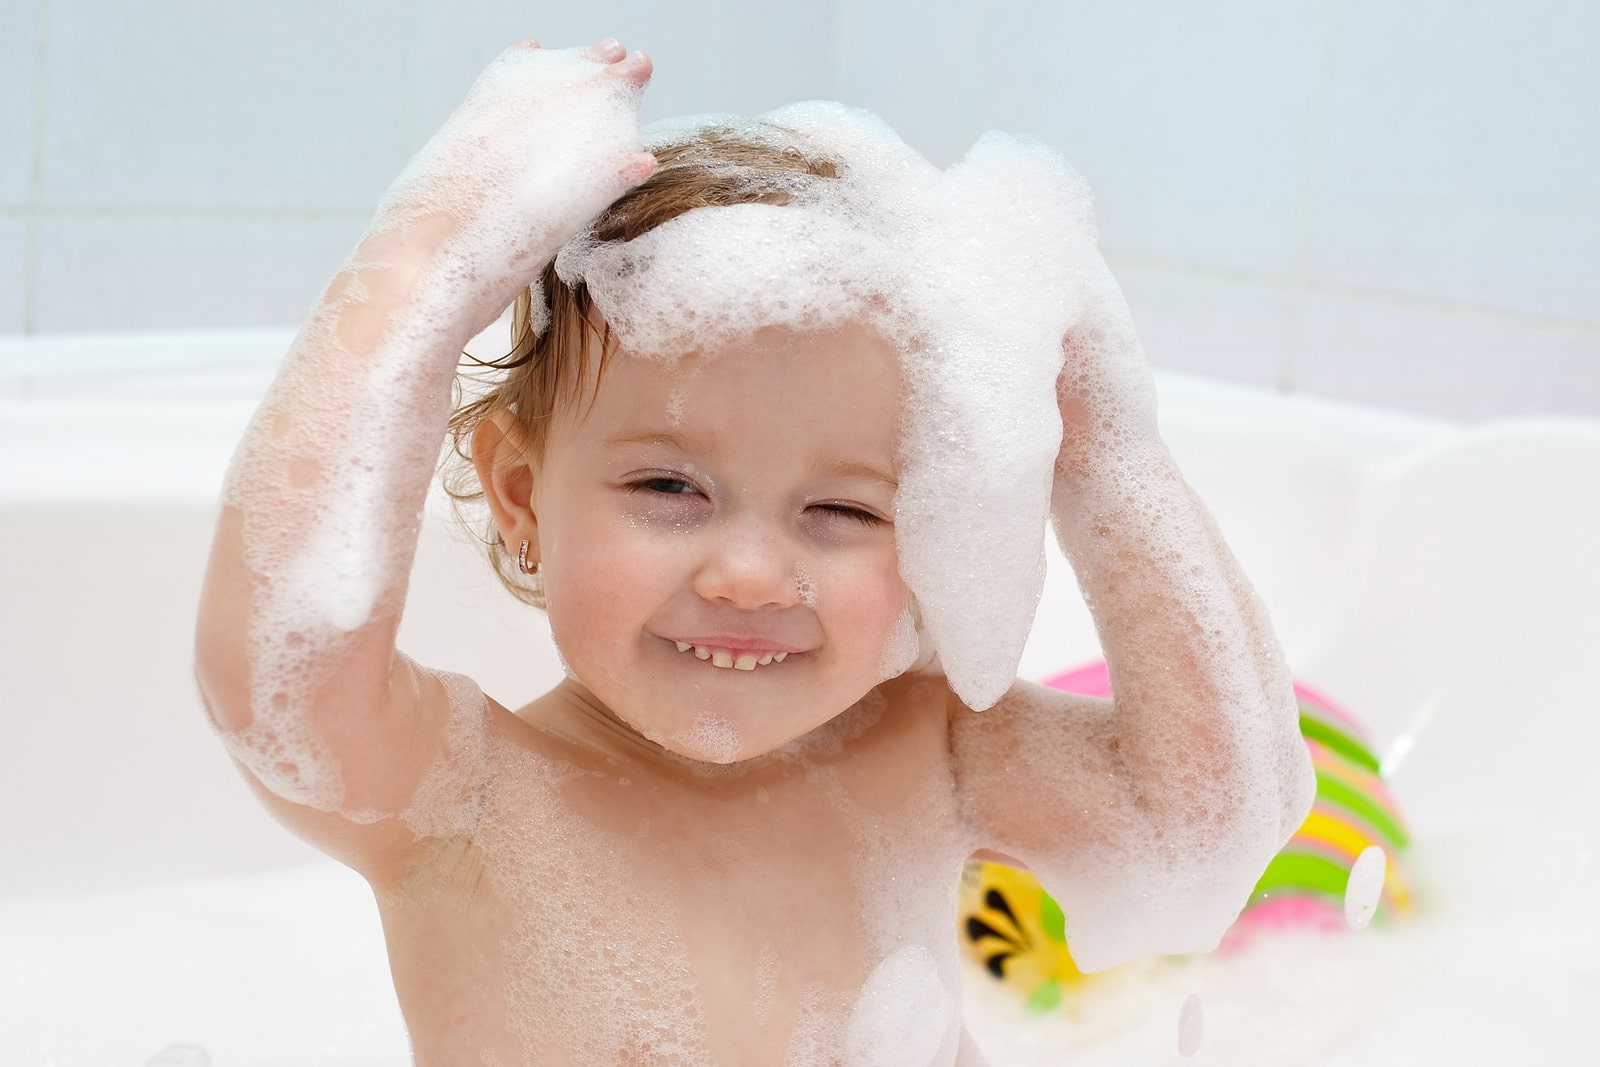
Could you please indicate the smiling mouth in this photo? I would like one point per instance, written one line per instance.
(731, 658)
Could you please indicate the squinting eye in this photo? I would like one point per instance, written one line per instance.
(665, 486)
(865, 518)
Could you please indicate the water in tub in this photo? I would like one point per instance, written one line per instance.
(1293, 998)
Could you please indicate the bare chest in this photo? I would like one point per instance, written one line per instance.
(618, 913)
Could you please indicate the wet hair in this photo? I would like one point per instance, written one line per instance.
(554, 341)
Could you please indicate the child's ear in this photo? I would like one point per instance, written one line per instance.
(507, 472)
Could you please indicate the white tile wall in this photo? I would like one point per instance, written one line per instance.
(1446, 362)
(13, 293)
(1212, 326)
(1190, 120)
(122, 273)
(455, 41)
(195, 104)
(1462, 154)
(765, 62)
(916, 63)
(19, 25)
(1342, 196)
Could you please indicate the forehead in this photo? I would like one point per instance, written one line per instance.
(848, 368)
(845, 378)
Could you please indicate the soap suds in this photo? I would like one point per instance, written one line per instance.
(974, 291)
(1365, 886)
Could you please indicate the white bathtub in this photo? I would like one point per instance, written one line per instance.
(1440, 579)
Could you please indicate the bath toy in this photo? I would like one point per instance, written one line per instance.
(1016, 931)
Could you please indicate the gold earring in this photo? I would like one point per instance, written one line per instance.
(535, 585)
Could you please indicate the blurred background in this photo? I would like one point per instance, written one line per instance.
(1388, 201)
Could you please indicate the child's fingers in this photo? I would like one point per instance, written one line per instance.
(609, 50)
(636, 67)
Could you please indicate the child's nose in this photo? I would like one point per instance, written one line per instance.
(750, 567)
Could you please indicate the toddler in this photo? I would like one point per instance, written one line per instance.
(785, 417)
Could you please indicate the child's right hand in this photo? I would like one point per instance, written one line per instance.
(544, 141)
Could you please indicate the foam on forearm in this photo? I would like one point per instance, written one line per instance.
(331, 477)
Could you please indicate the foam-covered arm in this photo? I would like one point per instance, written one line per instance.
(1151, 817)
(323, 503)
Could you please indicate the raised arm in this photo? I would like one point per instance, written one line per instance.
(354, 745)
(1149, 817)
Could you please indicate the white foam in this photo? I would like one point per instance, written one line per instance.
(1364, 887)
(331, 476)
(974, 290)
(1191, 1025)
(903, 1013)
(903, 649)
(805, 586)
(712, 738)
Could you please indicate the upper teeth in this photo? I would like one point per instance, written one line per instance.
(725, 657)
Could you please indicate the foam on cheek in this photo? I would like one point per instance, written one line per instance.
(974, 290)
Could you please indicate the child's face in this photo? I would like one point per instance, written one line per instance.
(740, 503)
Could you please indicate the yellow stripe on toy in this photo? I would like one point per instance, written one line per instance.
(1014, 928)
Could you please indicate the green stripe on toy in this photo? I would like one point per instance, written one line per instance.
(1017, 930)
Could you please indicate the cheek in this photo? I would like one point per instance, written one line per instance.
(869, 600)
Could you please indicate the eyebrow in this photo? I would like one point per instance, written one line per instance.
(649, 437)
(847, 469)
(838, 468)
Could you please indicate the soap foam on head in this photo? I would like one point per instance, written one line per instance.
(331, 476)
(974, 288)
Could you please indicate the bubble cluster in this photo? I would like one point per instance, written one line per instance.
(712, 738)
(902, 1013)
(329, 481)
(805, 586)
(974, 290)
(903, 650)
